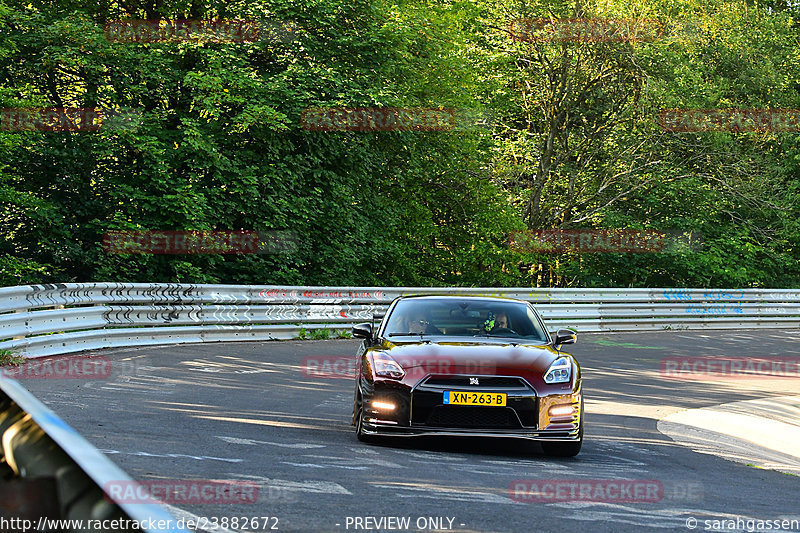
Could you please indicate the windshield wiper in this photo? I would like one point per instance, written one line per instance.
(406, 334)
(499, 335)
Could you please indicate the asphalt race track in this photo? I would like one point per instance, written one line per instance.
(246, 411)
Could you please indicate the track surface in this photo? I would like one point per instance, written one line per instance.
(244, 411)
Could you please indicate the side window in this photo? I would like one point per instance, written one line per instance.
(537, 329)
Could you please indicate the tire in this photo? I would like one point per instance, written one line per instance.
(360, 435)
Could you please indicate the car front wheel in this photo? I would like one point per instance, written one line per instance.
(363, 437)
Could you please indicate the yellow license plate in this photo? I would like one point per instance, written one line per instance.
(494, 399)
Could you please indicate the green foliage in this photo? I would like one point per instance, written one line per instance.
(575, 144)
(316, 334)
(8, 357)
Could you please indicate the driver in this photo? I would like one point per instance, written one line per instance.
(496, 321)
(501, 320)
(418, 321)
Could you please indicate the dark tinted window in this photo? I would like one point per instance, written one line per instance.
(463, 318)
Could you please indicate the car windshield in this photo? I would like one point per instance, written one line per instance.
(464, 318)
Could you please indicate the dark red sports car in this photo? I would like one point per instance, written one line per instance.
(470, 366)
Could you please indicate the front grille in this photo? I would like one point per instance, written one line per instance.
(473, 417)
(483, 382)
(427, 408)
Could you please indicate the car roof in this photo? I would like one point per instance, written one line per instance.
(498, 299)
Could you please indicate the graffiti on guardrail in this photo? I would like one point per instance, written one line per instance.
(328, 312)
(57, 294)
(377, 295)
(131, 315)
(120, 315)
(50, 319)
(320, 296)
(723, 295)
(710, 295)
(720, 309)
(677, 294)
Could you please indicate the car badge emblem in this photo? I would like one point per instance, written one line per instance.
(474, 381)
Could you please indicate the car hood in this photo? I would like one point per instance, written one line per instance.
(486, 356)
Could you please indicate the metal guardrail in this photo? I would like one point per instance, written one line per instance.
(52, 475)
(41, 320)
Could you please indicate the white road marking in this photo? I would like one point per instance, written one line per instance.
(175, 455)
(430, 456)
(445, 494)
(345, 460)
(649, 452)
(251, 442)
(623, 514)
(364, 451)
(181, 514)
(337, 401)
(483, 471)
(315, 487)
(314, 465)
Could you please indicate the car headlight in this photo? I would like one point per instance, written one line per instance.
(386, 367)
(559, 372)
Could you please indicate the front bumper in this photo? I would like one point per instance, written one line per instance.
(527, 415)
(379, 427)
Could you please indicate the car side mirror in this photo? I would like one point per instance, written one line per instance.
(565, 336)
(363, 330)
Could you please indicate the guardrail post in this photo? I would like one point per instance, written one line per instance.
(20, 311)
